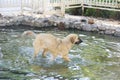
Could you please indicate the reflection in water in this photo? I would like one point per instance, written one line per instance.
(97, 58)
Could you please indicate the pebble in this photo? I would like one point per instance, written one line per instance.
(1, 55)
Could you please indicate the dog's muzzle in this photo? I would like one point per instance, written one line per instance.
(79, 41)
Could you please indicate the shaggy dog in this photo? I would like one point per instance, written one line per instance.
(52, 44)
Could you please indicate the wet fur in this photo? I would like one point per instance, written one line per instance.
(52, 44)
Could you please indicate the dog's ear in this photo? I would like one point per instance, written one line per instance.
(72, 39)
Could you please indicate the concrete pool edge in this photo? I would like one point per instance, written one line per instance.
(69, 21)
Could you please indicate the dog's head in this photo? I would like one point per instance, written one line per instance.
(74, 39)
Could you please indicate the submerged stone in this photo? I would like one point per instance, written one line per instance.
(1, 54)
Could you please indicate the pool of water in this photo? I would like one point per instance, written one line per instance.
(97, 58)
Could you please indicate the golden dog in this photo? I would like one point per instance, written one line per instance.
(56, 46)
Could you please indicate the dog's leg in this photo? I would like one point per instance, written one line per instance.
(66, 58)
(36, 51)
(36, 47)
(44, 53)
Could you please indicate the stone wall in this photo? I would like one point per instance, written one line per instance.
(80, 23)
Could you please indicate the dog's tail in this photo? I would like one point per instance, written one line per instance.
(28, 33)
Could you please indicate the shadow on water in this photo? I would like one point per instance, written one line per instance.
(97, 58)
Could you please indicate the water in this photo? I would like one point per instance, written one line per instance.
(97, 58)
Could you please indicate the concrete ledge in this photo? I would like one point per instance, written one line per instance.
(76, 22)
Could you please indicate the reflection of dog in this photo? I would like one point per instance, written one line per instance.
(55, 46)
